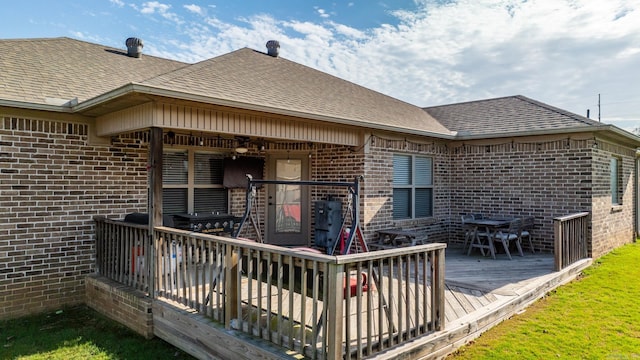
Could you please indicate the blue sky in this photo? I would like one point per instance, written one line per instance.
(425, 52)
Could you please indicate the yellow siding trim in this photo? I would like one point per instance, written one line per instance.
(213, 120)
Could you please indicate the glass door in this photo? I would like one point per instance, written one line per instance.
(288, 205)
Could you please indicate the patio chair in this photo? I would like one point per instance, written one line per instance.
(527, 227)
(512, 233)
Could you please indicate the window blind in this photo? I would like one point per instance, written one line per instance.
(401, 170)
(174, 201)
(208, 169)
(175, 168)
(210, 200)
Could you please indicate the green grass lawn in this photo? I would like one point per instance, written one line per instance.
(78, 333)
(594, 317)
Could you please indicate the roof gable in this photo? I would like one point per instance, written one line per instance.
(252, 77)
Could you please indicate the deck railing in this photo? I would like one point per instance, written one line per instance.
(570, 239)
(122, 252)
(322, 306)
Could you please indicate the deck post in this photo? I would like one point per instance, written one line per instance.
(231, 285)
(557, 244)
(335, 309)
(438, 288)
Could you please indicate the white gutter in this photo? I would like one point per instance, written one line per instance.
(157, 91)
(35, 106)
(556, 131)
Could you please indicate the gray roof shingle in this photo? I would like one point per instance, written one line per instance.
(38, 70)
(53, 71)
(506, 115)
(253, 77)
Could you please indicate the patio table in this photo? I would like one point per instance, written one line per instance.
(392, 238)
(492, 226)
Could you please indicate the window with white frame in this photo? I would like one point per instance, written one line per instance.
(412, 186)
(192, 183)
(616, 196)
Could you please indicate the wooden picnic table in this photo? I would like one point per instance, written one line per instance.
(393, 238)
(490, 227)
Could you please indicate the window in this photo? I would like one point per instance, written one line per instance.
(616, 196)
(192, 183)
(412, 186)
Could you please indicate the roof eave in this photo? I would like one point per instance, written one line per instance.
(163, 92)
(570, 130)
(35, 106)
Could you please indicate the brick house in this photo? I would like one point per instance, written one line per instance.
(86, 130)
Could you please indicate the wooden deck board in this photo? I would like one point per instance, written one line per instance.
(472, 282)
(479, 290)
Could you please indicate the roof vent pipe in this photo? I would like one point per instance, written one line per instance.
(134, 47)
(273, 48)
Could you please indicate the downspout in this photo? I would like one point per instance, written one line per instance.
(449, 191)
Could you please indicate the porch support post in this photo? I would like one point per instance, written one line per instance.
(335, 309)
(154, 201)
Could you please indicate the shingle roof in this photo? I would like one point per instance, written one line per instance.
(34, 70)
(507, 115)
(39, 71)
(253, 77)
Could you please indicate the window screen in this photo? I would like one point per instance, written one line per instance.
(615, 181)
(412, 186)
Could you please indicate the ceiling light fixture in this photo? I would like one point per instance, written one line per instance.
(242, 147)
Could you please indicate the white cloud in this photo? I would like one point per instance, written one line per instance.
(310, 30)
(152, 7)
(348, 31)
(195, 9)
(118, 3)
(155, 7)
(321, 12)
(86, 37)
(562, 52)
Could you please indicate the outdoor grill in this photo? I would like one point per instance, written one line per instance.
(211, 223)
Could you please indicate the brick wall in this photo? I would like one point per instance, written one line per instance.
(120, 303)
(53, 183)
(545, 178)
(540, 177)
(378, 196)
(612, 226)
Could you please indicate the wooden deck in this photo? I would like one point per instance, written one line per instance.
(480, 292)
